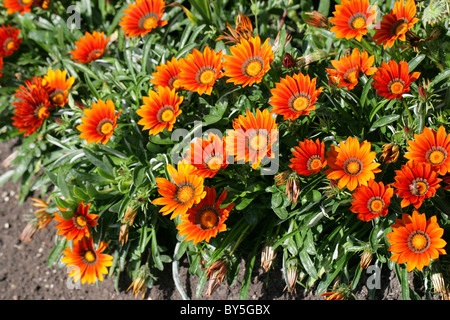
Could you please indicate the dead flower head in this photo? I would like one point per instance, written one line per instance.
(391, 152)
(316, 19)
(39, 221)
(243, 30)
(216, 274)
(139, 284)
(268, 255)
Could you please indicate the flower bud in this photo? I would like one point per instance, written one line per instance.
(289, 61)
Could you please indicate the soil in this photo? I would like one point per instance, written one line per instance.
(24, 274)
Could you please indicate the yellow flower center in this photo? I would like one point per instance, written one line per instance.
(150, 23)
(106, 128)
(57, 97)
(418, 241)
(42, 112)
(214, 163)
(208, 218)
(9, 44)
(25, 2)
(301, 103)
(314, 163)
(352, 166)
(185, 193)
(90, 256)
(167, 115)
(352, 75)
(252, 67)
(419, 187)
(358, 21)
(258, 142)
(399, 27)
(375, 204)
(94, 54)
(207, 76)
(396, 86)
(436, 155)
(80, 221)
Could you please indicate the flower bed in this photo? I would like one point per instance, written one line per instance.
(312, 136)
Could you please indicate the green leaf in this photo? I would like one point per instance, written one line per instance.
(413, 63)
(308, 264)
(54, 255)
(384, 121)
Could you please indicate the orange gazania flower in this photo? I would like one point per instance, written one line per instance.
(99, 123)
(252, 137)
(199, 71)
(294, 96)
(33, 106)
(160, 110)
(89, 48)
(86, 262)
(392, 80)
(431, 147)
(20, 6)
(416, 241)
(347, 69)
(43, 4)
(395, 24)
(206, 219)
(207, 155)
(243, 30)
(9, 40)
(181, 194)
(248, 62)
(166, 75)
(352, 18)
(142, 17)
(58, 86)
(371, 201)
(415, 182)
(351, 163)
(309, 157)
(78, 226)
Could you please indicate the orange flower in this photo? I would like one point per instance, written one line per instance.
(199, 72)
(43, 4)
(89, 48)
(415, 182)
(316, 19)
(58, 86)
(294, 96)
(309, 157)
(9, 40)
(207, 155)
(392, 80)
(142, 17)
(351, 163)
(352, 18)
(371, 201)
(395, 24)
(160, 110)
(99, 123)
(248, 62)
(85, 262)
(32, 108)
(166, 75)
(206, 219)
(185, 191)
(431, 147)
(416, 241)
(348, 68)
(78, 226)
(20, 6)
(252, 137)
(244, 30)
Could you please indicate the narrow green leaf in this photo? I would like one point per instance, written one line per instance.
(308, 264)
(384, 121)
(55, 253)
(413, 63)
